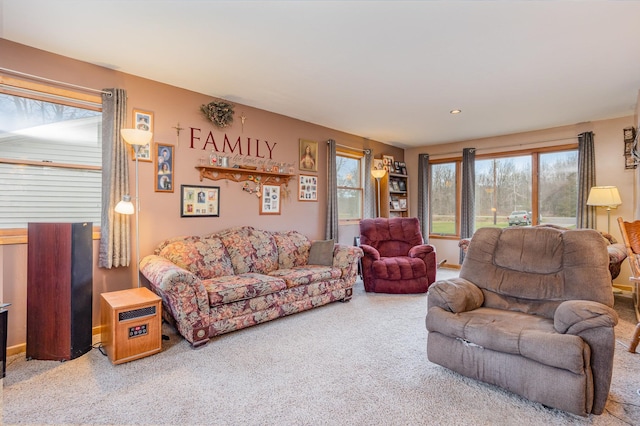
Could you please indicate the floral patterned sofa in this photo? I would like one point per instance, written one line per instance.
(239, 277)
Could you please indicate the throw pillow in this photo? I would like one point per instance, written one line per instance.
(321, 253)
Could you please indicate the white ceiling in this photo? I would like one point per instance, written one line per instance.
(386, 70)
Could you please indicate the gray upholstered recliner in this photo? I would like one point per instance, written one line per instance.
(531, 312)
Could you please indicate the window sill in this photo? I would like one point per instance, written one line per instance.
(19, 236)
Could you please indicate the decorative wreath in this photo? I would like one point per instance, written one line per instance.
(219, 113)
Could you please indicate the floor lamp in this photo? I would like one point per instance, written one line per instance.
(137, 139)
(378, 174)
(605, 196)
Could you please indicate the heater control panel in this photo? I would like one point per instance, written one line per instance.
(138, 330)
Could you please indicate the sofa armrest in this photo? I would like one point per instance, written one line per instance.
(182, 293)
(455, 295)
(346, 258)
(344, 255)
(576, 316)
(370, 251)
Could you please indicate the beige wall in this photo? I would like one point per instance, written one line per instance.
(609, 151)
(160, 217)
(160, 212)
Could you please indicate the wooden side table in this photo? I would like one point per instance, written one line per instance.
(131, 324)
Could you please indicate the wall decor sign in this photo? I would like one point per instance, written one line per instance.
(308, 156)
(142, 120)
(164, 161)
(270, 200)
(308, 188)
(199, 201)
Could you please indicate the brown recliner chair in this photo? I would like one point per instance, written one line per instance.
(530, 312)
(396, 260)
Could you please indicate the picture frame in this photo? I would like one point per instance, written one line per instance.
(164, 161)
(142, 120)
(403, 203)
(403, 168)
(402, 185)
(199, 201)
(395, 205)
(377, 164)
(395, 186)
(629, 138)
(270, 199)
(308, 156)
(388, 161)
(307, 188)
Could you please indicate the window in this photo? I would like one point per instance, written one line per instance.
(50, 160)
(442, 220)
(350, 191)
(507, 192)
(558, 200)
(503, 185)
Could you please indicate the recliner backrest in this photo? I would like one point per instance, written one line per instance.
(535, 269)
(391, 236)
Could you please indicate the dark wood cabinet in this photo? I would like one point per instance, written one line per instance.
(59, 290)
(3, 338)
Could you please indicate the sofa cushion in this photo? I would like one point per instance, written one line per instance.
(530, 336)
(301, 275)
(168, 241)
(293, 249)
(251, 250)
(232, 288)
(204, 257)
(321, 252)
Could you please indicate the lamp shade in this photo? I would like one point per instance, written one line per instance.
(136, 136)
(604, 196)
(125, 206)
(378, 173)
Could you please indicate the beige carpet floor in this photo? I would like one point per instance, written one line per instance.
(357, 363)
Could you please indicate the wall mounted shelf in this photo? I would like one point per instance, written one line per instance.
(243, 175)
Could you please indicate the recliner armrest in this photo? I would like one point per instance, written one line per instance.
(455, 295)
(370, 251)
(576, 316)
(421, 250)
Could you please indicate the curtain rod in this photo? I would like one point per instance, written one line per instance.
(352, 148)
(510, 146)
(61, 83)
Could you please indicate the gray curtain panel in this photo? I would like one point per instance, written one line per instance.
(369, 208)
(423, 195)
(586, 215)
(115, 235)
(331, 230)
(467, 210)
